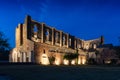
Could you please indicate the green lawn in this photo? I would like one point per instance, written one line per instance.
(38, 72)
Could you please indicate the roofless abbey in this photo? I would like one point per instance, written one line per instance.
(36, 42)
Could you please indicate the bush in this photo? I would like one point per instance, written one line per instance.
(70, 57)
(51, 59)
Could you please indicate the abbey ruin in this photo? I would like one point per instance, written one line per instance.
(36, 42)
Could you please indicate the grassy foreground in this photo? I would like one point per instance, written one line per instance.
(38, 72)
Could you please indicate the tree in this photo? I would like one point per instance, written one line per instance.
(51, 59)
(4, 47)
(70, 57)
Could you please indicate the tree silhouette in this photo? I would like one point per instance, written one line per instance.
(52, 60)
(4, 47)
(70, 57)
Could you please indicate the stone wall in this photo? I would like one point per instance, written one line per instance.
(35, 40)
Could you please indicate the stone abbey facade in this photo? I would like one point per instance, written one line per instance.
(36, 42)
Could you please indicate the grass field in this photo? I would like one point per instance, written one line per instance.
(38, 72)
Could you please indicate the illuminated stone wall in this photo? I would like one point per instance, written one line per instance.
(36, 42)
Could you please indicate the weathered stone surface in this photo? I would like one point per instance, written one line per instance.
(33, 39)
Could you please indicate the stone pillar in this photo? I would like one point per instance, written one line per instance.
(42, 33)
(14, 56)
(29, 56)
(20, 56)
(53, 36)
(27, 24)
(17, 36)
(24, 57)
(61, 40)
(67, 40)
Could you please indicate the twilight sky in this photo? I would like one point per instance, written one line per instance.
(85, 19)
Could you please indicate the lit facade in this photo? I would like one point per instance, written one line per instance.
(36, 42)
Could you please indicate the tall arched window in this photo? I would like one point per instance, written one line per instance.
(69, 41)
(56, 37)
(35, 29)
(47, 35)
(64, 40)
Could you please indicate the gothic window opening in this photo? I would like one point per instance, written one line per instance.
(79, 45)
(35, 30)
(69, 41)
(47, 34)
(57, 37)
(64, 40)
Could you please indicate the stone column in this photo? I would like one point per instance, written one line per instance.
(24, 57)
(29, 57)
(61, 40)
(67, 40)
(53, 36)
(42, 33)
(27, 24)
(20, 56)
(14, 56)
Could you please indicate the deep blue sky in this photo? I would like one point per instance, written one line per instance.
(86, 19)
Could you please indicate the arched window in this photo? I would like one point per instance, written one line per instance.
(79, 46)
(56, 37)
(35, 29)
(47, 35)
(69, 41)
(64, 40)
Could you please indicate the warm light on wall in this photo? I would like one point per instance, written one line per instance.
(83, 60)
(14, 55)
(44, 60)
(66, 62)
(73, 62)
(57, 62)
(107, 61)
(79, 61)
